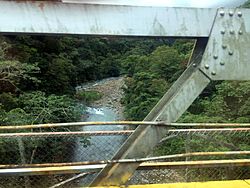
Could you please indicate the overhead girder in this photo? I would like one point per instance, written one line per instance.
(44, 17)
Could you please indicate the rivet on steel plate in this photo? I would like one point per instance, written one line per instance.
(231, 32)
(222, 63)
(231, 13)
(213, 73)
(222, 13)
(222, 32)
(239, 14)
(230, 52)
(206, 66)
(224, 46)
(240, 32)
(215, 56)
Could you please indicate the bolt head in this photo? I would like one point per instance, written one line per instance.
(240, 32)
(206, 66)
(239, 14)
(222, 13)
(231, 13)
(222, 32)
(215, 56)
(230, 53)
(213, 73)
(224, 46)
(222, 63)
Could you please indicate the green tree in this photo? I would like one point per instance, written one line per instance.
(47, 109)
(166, 63)
(8, 101)
(134, 64)
(58, 73)
(142, 92)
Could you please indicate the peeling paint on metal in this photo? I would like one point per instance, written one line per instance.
(88, 19)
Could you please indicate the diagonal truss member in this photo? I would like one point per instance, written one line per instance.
(221, 53)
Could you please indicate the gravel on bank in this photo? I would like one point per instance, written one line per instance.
(112, 92)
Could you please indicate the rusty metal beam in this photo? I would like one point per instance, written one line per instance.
(64, 134)
(127, 123)
(127, 161)
(195, 164)
(44, 17)
(110, 133)
(142, 166)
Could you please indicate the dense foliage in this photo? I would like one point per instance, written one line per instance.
(36, 74)
(41, 71)
(149, 77)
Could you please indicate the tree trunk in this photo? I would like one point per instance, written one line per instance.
(23, 160)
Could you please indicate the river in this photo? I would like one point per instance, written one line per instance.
(102, 147)
(108, 108)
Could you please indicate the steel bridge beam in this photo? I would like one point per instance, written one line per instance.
(227, 53)
(172, 105)
(73, 169)
(225, 57)
(44, 17)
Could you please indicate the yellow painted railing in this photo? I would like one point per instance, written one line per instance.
(210, 184)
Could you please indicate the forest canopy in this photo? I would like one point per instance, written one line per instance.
(38, 71)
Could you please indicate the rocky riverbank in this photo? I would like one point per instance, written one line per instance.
(111, 90)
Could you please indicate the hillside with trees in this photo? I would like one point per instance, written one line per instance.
(38, 71)
(38, 75)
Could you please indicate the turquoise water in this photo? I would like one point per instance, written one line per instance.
(100, 147)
